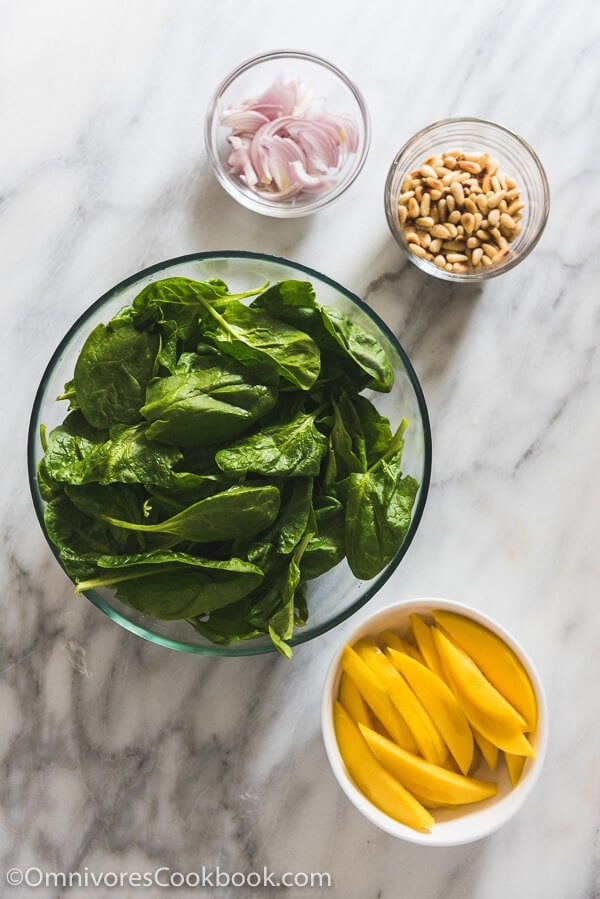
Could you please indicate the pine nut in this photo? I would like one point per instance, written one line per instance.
(425, 221)
(459, 210)
(458, 193)
(413, 208)
(440, 231)
(468, 221)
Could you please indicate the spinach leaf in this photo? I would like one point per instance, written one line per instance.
(179, 299)
(375, 428)
(273, 610)
(112, 371)
(236, 512)
(293, 449)
(67, 447)
(146, 581)
(129, 457)
(361, 347)
(379, 504)
(215, 401)
(251, 336)
(228, 625)
(80, 539)
(326, 547)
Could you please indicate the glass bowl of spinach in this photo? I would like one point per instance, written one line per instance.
(239, 456)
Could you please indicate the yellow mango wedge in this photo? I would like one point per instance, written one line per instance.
(390, 638)
(372, 779)
(496, 660)
(380, 704)
(353, 702)
(426, 735)
(488, 750)
(515, 765)
(424, 638)
(485, 708)
(443, 707)
(433, 783)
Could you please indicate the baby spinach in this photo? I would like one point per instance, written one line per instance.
(379, 503)
(233, 513)
(292, 449)
(218, 455)
(112, 372)
(213, 402)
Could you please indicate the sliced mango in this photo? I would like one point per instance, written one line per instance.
(377, 700)
(496, 660)
(353, 702)
(485, 708)
(426, 735)
(390, 638)
(515, 765)
(444, 709)
(431, 782)
(378, 785)
(488, 750)
(425, 642)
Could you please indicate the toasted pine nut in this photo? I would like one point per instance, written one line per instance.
(485, 260)
(425, 204)
(456, 257)
(468, 222)
(440, 231)
(507, 221)
(425, 221)
(413, 208)
(472, 243)
(440, 261)
(454, 217)
(402, 214)
(458, 192)
(493, 217)
(427, 171)
(476, 255)
(418, 250)
(436, 245)
(470, 205)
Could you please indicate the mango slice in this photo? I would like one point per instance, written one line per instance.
(440, 702)
(488, 750)
(372, 779)
(353, 702)
(377, 700)
(433, 783)
(485, 708)
(427, 737)
(496, 660)
(515, 765)
(424, 638)
(392, 639)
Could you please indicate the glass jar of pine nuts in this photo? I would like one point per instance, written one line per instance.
(467, 199)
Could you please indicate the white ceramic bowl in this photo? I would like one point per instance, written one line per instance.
(469, 822)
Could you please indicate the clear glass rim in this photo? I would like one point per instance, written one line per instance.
(475, 276)
(242, 648)
(284, 210)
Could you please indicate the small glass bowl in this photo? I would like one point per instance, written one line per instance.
(453, 825)
(517, 160)
(251, 79)
(333, 596)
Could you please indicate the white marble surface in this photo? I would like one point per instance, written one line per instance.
(120, 756)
